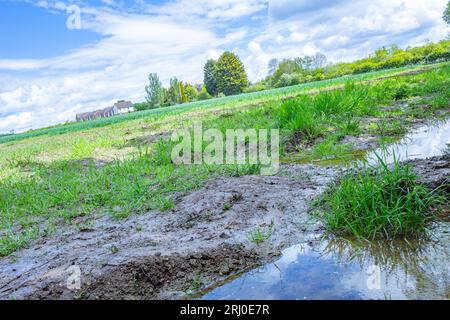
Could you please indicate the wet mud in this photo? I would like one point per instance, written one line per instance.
(209, 239)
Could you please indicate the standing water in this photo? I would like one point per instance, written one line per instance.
(346, 269)
(425, 142)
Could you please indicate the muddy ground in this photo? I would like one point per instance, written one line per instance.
(167, 255)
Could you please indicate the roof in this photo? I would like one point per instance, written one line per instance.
(108, 109)
(123, 104)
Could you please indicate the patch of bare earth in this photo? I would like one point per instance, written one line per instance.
(165, 254)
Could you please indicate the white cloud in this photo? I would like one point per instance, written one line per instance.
(346, 30)
(177, 37)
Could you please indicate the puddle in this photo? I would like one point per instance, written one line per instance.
(333, 270)
(343, 270)
(425, 142)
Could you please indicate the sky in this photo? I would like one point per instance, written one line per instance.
(60, 58)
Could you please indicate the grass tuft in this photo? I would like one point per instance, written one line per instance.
(382, 202)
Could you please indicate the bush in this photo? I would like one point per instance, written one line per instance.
(204, 96)
(289, 72)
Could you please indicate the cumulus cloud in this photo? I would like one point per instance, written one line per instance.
(176, 37)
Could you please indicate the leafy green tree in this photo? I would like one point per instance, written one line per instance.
(174, 91)
(446, 15)
(154, 91)
(287, 67)
(166, 99)
(204, 95)
(230, 74)
(273, 65)
(183, 97)
(209, 77)
(191, 92)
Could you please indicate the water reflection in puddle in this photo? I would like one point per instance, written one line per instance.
(346, 270)
(425, 142)
(359, 270)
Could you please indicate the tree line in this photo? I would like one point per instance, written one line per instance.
(295, 71)
(225, 76)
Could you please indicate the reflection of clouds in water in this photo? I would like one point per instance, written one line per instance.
(339, 270)
(292, 254)
(273, 272)
(428, 141)
(389, 287)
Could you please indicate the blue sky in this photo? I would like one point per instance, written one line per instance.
(49, 72)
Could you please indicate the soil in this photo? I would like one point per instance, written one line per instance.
(202, 241)
(433, 172)
(167, 255)
(164, 255)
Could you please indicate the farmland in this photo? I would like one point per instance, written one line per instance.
(72, 176)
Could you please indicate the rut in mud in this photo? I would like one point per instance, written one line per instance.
(166, 254)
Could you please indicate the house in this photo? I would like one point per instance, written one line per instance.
(109, 112)
(85, 116)
(124, 106)
(120, 107)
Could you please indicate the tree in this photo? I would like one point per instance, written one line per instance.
(209, 77)
(446, 15)
(154, 91)
(166, 97)
(191, 92)
(230, 74)
(183, 97)
(273, 65)
(319, 60)
(286, 66)
(174, 91)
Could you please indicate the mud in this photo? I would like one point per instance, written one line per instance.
(204, 240)
(433, 172)
(169, 255)
(166, 255)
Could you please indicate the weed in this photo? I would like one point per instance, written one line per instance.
(259, 236)
(196, 285)
(113, 249)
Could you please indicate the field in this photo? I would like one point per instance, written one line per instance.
(226, 102)
(72, 175)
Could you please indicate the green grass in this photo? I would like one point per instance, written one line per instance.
(253, 98)
(258, 236)
(379, 202)
(49, 179)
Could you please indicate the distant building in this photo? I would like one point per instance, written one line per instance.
(124, 106)
(120, 107)
(85, 116)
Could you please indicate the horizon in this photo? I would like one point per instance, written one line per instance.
(107, 55)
